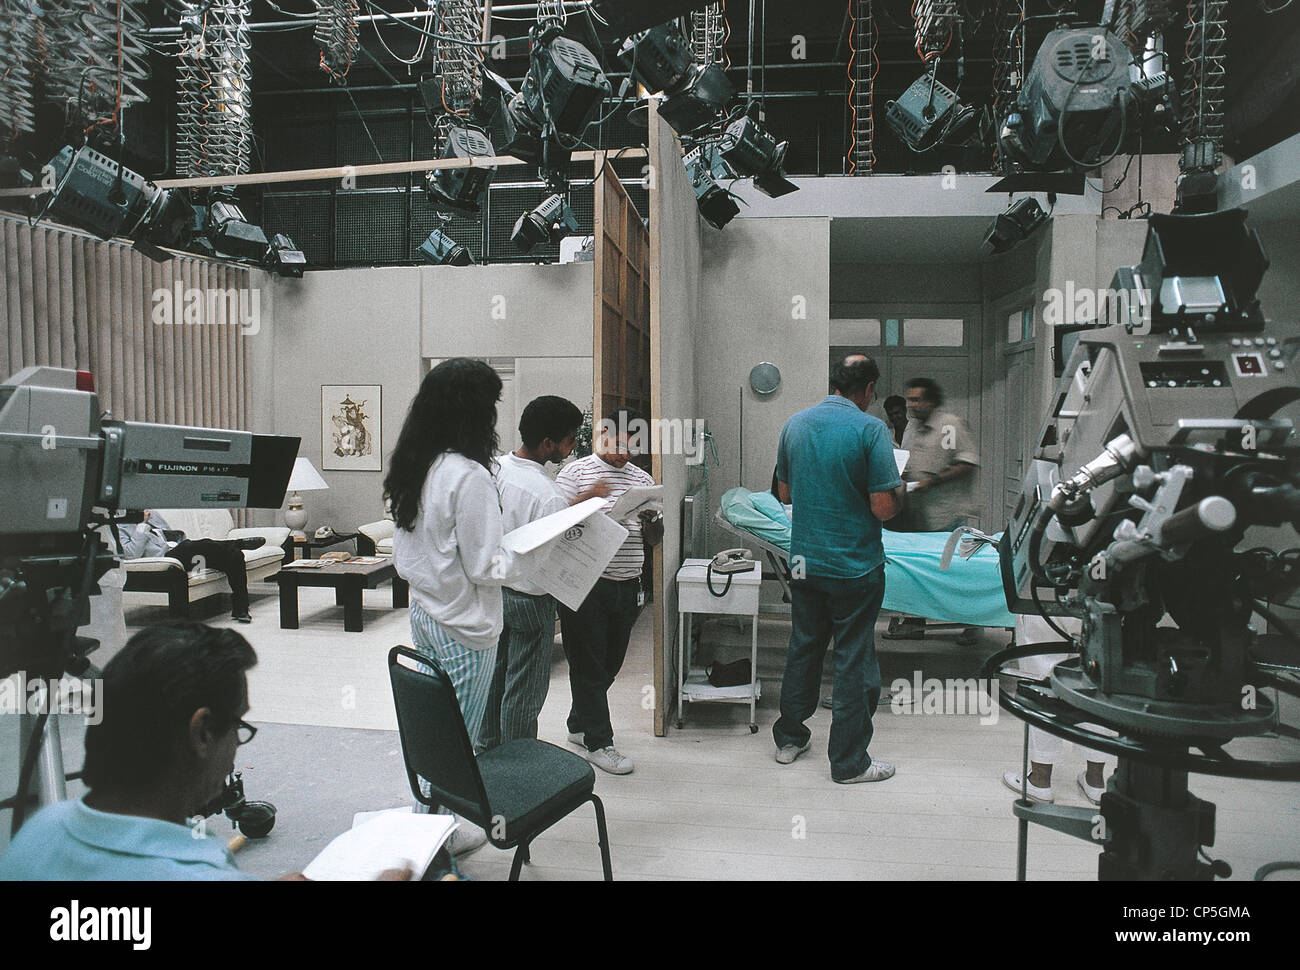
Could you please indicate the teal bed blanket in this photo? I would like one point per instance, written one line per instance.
(969, 591)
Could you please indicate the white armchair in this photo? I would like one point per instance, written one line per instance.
(159, 581)
(376, 538)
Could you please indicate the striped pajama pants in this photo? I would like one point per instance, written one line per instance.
(470, 671)
(523, 669)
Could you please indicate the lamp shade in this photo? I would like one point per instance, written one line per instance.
(305, 477)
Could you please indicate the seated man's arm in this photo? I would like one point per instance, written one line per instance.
(134, 539)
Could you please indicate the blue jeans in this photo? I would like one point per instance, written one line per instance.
(847, 609)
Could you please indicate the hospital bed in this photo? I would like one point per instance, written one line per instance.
(918, 580)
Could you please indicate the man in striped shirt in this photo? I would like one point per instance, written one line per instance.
(596, 635)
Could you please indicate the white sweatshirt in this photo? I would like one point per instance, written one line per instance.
(453, 557)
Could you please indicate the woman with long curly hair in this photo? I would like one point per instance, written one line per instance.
(447, 544)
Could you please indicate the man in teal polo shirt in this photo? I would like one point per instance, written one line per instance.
(173, 701)
(836, 465)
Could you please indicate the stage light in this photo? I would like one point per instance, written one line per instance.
(929, 114)
(751, 150)
(700, 101)
(1022, 218)
(547, 118)
(462, 189)
(284, 258)
(549, 222)
(1076, 103)
(233, 235)
(661, 59)
(563, 86)
(95, 193)
(441, 250)
(705, 167)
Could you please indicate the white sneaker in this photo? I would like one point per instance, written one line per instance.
(1012, 780)
(876, 771)
(608, 759)
(466, 838)
(1092, 794)
(787, 755)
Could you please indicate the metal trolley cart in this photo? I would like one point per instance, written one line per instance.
(739, 599)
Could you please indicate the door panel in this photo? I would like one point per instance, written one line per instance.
(1019, 371)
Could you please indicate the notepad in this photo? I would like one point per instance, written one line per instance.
(395, 839)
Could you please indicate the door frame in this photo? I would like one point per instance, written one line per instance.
(1000, 308)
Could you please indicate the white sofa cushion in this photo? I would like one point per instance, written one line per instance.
(199, 523)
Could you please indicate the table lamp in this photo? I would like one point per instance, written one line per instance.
(305, 478)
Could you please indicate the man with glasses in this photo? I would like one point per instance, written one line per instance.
(173, 702)
(836, 466)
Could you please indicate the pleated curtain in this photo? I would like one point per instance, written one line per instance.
(70, 300)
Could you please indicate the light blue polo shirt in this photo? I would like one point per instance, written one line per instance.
(833, 456)
(72, 841)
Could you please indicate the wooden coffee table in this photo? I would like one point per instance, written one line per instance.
(347, 579)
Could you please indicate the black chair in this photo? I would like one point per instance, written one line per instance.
(515, 791)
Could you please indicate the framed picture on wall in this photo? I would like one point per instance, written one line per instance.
(351, 427)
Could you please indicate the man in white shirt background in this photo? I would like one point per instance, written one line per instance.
(596, 635)
(548, 428)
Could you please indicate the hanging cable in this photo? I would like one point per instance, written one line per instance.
(17, 62)
(214, 130)
(1008, 66)
(116, 66)
(934, 19)
(420, 48)
(337, 36)
(863, 36)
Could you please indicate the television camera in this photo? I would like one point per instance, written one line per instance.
(67, 471)
(1162, 448)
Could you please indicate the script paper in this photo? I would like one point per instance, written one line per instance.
(578, 557)
(576, 545)
(398, 839)
(631, 501)
(548, 528)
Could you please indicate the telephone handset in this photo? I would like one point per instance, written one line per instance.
(733, 561)
(727, 562)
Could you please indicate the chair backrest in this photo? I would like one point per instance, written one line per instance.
(435, 744)
(200, 523)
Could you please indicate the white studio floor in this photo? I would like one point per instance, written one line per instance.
(707, 801)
